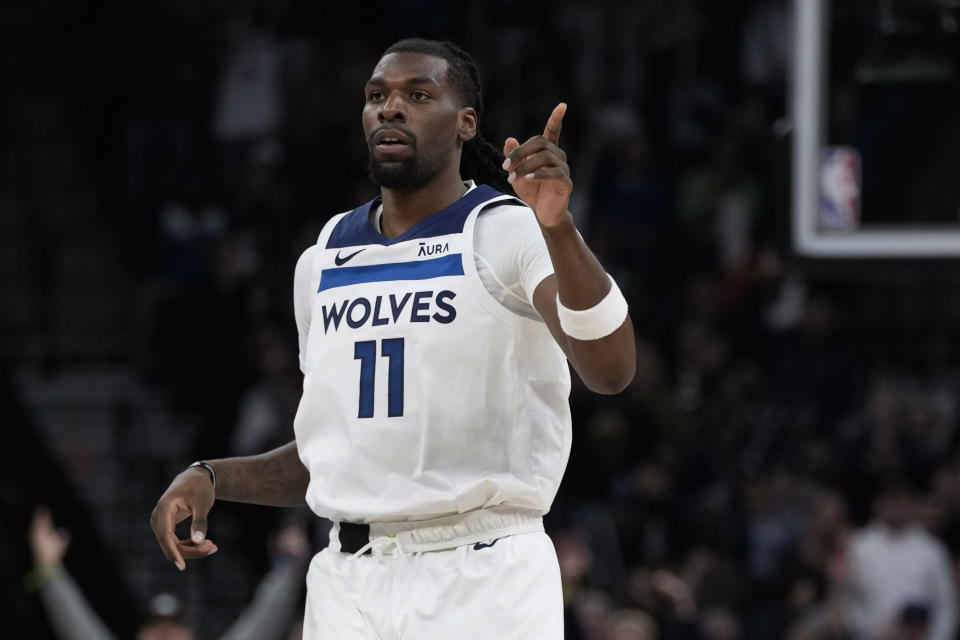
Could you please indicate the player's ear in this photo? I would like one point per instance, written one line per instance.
(467, 123)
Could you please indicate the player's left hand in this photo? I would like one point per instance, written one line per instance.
(539, 172)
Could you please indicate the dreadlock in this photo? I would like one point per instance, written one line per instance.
(479, 160)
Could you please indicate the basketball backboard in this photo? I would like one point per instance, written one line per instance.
(890, 189)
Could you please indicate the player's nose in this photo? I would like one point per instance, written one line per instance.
(392, 110)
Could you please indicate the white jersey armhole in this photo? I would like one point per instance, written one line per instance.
(301, 300)
(306, 279)
(511, 257)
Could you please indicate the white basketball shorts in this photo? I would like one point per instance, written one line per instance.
(498, 588)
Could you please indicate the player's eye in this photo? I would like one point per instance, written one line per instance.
(374, 96)
(420, 96)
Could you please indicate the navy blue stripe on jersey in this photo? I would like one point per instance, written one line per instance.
(448, 265)
(354, 229)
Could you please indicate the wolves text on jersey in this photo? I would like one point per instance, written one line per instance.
(421, 306)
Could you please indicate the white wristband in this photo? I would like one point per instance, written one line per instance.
(598, 321)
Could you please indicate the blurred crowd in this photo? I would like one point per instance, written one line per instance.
(767, 474)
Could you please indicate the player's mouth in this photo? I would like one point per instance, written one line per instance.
(390, 141)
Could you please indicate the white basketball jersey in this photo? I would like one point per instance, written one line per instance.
(423, 396)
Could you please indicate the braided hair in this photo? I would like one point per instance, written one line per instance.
(479, 160)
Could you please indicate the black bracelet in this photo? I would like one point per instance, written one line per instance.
(213, 474)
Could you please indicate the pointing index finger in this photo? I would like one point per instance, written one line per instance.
(554, 123)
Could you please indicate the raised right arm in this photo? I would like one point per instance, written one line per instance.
(276, 478)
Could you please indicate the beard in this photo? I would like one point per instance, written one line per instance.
(405, 174)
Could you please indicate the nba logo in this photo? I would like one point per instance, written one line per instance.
(839, 188)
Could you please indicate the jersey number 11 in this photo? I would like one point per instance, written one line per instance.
(366, 352)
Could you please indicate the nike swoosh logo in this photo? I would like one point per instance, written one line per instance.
(340, 261)
(484, 545)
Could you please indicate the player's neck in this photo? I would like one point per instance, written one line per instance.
(403, 208)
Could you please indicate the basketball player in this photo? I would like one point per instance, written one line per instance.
(435, 323)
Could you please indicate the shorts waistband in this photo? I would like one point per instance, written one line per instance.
(437, 534)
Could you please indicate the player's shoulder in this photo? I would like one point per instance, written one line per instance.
(310, 251)
(499, 201)
(504, 215)
(508, 211)
(307, 254)
(331, 224)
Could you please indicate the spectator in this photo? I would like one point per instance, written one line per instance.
(631, 624)
(901, 578)
(816, 606)
(267, 617)
(267, 408)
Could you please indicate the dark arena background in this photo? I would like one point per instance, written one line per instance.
(775, 185)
